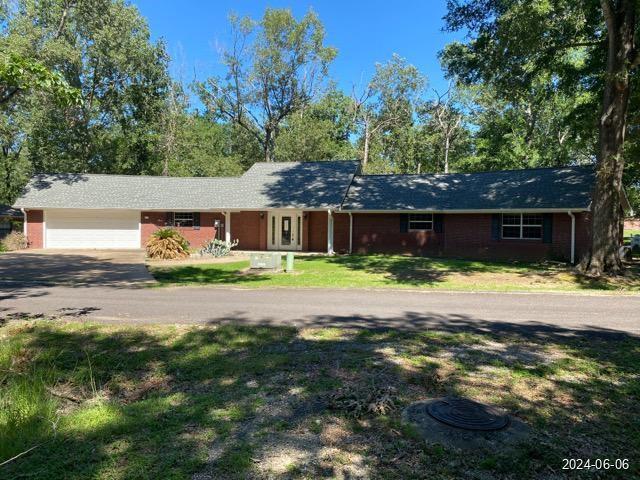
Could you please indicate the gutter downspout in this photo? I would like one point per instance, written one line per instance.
(350, 233)
(227, 227)
(24, 222)
(573, 237)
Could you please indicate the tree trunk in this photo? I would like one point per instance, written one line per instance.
(446, 154)
(267, 145)
(605, 234)
(367, 138)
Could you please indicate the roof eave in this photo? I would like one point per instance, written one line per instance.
(480, 210)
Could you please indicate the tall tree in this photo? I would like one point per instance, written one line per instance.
(103, 49)
(539, 128)
(579, 45)
(447, 116)
(321, 131)
(388, 102)
(275, 67)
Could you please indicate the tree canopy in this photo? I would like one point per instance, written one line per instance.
(83, 88)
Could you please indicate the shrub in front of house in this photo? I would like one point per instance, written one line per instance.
(15, 241)
(217, 248)
(167, 244)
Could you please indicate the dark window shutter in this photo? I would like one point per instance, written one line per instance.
(496, 225)
(547, 227)
(168, 219)
(438, 223)
(404, 222)
(196, 220)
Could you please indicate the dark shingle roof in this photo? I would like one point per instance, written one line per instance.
(265, 185)
(540, 188)
(297, 184)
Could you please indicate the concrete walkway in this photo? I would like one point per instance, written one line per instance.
(322, 307)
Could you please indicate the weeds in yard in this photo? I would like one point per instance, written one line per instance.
(254, 402)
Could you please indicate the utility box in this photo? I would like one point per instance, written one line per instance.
(265, 261)
(289, 267)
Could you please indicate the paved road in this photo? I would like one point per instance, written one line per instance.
(320, 307)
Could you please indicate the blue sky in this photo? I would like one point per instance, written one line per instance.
(364, 32)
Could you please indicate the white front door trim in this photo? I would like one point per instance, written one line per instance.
(284, 230)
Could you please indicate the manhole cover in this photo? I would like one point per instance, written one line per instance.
(467, 414)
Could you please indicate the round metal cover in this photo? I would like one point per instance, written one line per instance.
(467, 414)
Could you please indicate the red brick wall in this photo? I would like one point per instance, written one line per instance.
(341, 232)
(380, 232)
(250, 229)
(583, 234)
(466, 235)
(35, 230)
(316, 231)
(152, 221)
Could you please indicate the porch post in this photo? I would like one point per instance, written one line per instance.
(227, 227)
(329, 232)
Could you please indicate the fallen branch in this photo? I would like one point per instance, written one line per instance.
(19, 455)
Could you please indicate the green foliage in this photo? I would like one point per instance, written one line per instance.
(19, 74)
(205, 148)
(538, 77)
(274, 69)
(118, 81)
(322, 131)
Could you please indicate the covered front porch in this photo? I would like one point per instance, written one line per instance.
(298, 230)
(282, 230)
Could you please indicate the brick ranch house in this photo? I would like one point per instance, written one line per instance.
(322, 207)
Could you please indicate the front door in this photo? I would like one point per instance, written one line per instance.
(285, 230)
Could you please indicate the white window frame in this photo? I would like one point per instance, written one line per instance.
(522, 226)
(420, 221)
(177, 222)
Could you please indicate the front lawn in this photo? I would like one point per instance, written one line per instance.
(153, 402)
(630, 233)
(395, 271)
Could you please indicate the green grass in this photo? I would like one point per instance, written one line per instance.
(109, 402)
(629, 233)
(394, 271)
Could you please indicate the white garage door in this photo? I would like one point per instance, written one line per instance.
(92, 229)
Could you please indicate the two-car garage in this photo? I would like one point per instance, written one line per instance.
(95, 229)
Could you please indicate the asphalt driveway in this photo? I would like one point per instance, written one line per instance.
(107, 268)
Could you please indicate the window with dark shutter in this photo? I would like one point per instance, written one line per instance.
(525, 226)
(547, 227)
(496, 225)
(438, 223)
(404, 223)
(183, 219)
